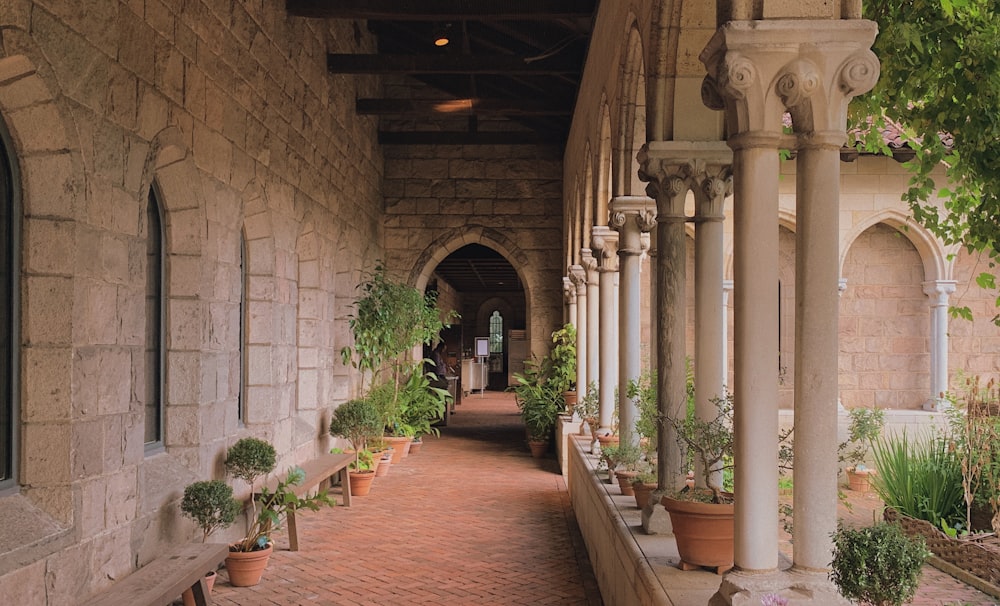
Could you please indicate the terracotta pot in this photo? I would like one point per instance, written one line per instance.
(400, 447)
(570, 398)
(625, 479)
(383, 468)
(860, 481)
(188, 595)
(605, 440)
(642, 491)
(538, 448)
(704, 533)
(246, 567)
(415, 446)
(361, 482)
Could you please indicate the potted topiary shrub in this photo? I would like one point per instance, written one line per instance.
(878, 565)
(866, 426)
(211, 505)
(703, 516)
(589, 409)
(358, 421)
(251, 459)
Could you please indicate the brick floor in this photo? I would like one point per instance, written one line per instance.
(470, 520)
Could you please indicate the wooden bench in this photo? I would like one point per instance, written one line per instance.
(164, 579)
(319, 473)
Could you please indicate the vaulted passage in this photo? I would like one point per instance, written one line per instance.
(470, 519)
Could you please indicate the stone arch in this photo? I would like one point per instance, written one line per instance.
(605, 161)
(452, 240)
(883, 327)
(45, 162)
(632, 113)
(591, 216)
(933, 254)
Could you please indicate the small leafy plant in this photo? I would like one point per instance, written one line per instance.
(211, 505)
(878, 565)
(866, 426)
(710, 443)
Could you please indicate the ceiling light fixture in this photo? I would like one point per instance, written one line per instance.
(442, 35)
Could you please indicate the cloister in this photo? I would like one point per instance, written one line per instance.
(193, 191)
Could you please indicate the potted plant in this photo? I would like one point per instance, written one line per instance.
(703, 516)
(391, 319)
(624, 460)
(562, 364)
(878, 565)
(250, 459)
(643, 486)
(422, 403)
(540, 402)
(357, 421)
(211, 505)
(589, 409)
(865, 427)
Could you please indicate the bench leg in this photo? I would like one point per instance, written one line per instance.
(202, 597)
(293, 532)
(345, 486)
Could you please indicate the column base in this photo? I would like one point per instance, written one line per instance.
(937, 404)
(798, 588)
(656, 519)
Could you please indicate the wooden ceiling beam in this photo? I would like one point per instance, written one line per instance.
(507, 65)
(423, 107)
(442, 10)
(466, 138)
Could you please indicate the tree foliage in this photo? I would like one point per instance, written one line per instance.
(940, 85)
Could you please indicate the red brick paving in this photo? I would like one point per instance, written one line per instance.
(470, 520)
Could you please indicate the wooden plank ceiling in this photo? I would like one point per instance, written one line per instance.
(509, 74)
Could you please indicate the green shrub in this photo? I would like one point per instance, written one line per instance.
(878, 565)
(919, 478)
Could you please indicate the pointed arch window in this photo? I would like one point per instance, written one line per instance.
(496, 332)
(154, 354)
(9, 338)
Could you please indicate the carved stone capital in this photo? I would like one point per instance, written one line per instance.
(569, 290)
(816, 67)
(578, 276)
(589, 262)
(673, 168)
(604, 244)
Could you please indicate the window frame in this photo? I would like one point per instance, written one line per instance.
(10, 194)
(157, 445)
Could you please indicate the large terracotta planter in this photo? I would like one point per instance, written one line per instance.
(641, 491)
(361, 482)
(538, 448)
(704, 533)
(246, 567)
(415, 446)
(383, 467)
(400, 447)
(625, 479)
(860, 481)
(570, 397)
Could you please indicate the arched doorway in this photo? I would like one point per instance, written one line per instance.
(483, 286)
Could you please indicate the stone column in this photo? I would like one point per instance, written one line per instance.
(578, 275)
(604, 242)
(939, 291)
(757, 70)
(593, 315)
(654, 313)
(631, 216)
(714, 183)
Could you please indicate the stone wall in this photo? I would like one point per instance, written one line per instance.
(509, 198)
(225, 111)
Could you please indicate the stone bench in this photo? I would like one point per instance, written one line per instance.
(319, 474)
(164, 579)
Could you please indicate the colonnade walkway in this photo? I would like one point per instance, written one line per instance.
(470, 520)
